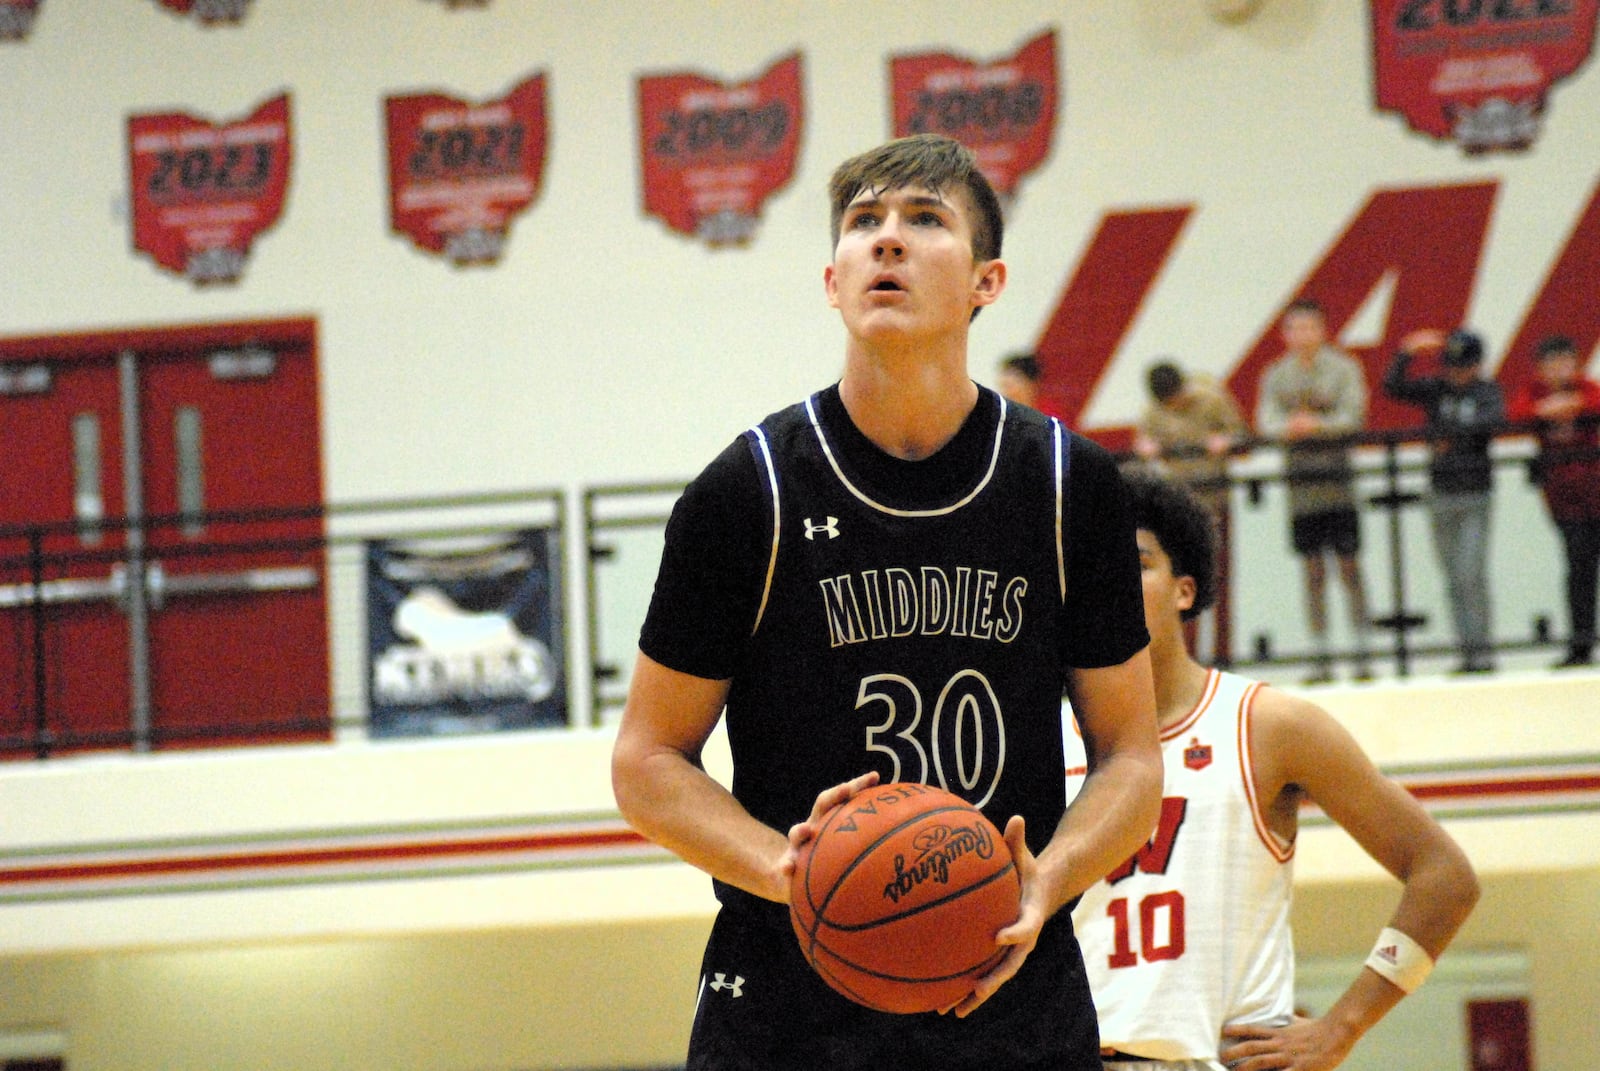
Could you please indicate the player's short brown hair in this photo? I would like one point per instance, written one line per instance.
(933, 161)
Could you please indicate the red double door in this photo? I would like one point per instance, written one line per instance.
(162, 573)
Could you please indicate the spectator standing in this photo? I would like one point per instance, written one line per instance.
(1463, 410)
(1312, 396)
(1187, 432)
(1565, 407)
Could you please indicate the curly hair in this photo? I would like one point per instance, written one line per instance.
(1183, 526)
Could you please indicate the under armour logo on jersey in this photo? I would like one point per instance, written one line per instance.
(720, 982)
(831, 527)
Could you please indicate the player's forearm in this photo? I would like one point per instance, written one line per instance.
(1439, 894)
(1358, 1009)
(676, 804)
(1112, 816)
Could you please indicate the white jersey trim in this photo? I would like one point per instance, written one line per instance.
(1281, 850)
(1061, 484)
(833, 462)
(772, 561)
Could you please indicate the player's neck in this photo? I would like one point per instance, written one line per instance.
(1180, 682)
(906, 404)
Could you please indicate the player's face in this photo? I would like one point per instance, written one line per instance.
(904, 267)
(1165, 596)
(1304, 331)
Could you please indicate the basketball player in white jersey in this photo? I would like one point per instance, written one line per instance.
(1187, 943)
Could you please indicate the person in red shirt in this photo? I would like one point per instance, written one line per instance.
(1566, 408)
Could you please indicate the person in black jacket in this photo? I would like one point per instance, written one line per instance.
(1463, 410)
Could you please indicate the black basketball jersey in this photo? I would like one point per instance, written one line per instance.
(914, 630)
(916, 618)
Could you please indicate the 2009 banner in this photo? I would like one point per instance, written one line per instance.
(202, 192)
(465, 640)
(1477, 72)
(460, 172)
(712, 153)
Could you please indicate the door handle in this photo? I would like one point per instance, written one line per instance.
(72, 589)
(159, 585)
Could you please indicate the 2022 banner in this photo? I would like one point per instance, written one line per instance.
(1477, 72)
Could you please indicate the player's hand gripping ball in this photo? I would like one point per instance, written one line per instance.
(898, 898)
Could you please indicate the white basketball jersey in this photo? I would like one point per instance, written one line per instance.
(1192, 933)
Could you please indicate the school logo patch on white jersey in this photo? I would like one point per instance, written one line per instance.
(1197, 756)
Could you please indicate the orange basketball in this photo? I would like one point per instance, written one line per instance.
(897, 900)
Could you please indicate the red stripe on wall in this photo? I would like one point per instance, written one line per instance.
(545, 842)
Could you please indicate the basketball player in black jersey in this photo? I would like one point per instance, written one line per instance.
(894, 580)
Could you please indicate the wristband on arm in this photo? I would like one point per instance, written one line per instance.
(1400, 959)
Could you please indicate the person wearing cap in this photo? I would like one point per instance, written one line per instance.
(1463, 410)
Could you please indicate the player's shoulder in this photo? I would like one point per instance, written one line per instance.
(1289, 725)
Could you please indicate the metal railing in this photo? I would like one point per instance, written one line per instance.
(234, 627)
(64, 590)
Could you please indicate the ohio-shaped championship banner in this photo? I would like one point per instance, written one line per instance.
(712, 153)
(465, 639)
(1004, 111)
(459, 172)
(209, 12)
(201, 192)
(1477, 73)
(16, 18)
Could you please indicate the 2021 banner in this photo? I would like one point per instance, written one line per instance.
(459, 173)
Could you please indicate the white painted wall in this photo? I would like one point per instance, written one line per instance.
(606, 348)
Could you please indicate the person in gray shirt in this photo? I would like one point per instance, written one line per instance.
(1311, 397)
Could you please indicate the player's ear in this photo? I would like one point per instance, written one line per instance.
(1184, 593)
(990, 281)
(830, 285)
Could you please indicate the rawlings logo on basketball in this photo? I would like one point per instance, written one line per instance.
(937, 848)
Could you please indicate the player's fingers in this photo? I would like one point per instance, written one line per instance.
(1247, 1030)
(832, 797)
(1002, 973)
(1017, 840)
